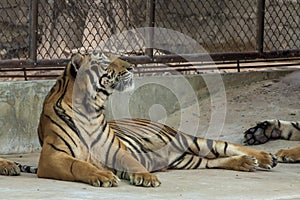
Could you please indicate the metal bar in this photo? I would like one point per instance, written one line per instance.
(162, 70)
(170, 58)
(33, 30)
(25, 74)
(261, 8)
(28, 63)
(151, 4)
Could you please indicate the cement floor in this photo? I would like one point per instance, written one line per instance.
(282, 182)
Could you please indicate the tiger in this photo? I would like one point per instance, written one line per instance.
(276, 129)
(11, 168)
(79, 144)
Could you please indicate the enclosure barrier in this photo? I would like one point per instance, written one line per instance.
(40, 35)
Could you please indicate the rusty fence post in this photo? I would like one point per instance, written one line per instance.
(261, 25)
(33, 30)
(151, 4)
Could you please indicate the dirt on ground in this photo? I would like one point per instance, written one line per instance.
(243, 107)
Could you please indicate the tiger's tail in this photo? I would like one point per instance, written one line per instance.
(27, 168)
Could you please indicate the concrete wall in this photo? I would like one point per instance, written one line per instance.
(154, 98)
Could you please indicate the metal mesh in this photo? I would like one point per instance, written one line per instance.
(67, 26)
(219, 26)
(282, 25)
(14, 29)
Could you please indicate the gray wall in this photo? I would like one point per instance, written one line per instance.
(154, 98)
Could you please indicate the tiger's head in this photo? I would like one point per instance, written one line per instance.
(97, 76)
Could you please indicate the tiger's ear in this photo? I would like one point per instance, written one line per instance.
(76, 60)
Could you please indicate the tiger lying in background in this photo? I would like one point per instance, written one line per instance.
(79, 144)
(276, 129)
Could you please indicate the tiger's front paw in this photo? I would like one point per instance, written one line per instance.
(103, 179)
(8, 168)
(266, 160)
(288, 155)
(144, 179)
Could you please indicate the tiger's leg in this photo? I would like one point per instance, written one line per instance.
(289, 155)
(238, 163)
(62, 166)
(8, 167)
(212, 149)
(272, 129)
(265, 159)
(127, 167)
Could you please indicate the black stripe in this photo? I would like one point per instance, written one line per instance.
(178, 148)
(206, 166)
(73, 70)
(185, 144)
(289, 135)
(103, 91)
(79, 113)
(225, 147)
(187, 163)
(133, 147)
(57, 149)
(210, 147)
(54, 122)
(92, 80)
(160, 129)
(61, 113)
(66, 143)
(100, 80)
(94, 68)
(137, 151)
(178, 159)
(107, 135)
(108, 152)
(198, 163)
(296, 126)
(195, 141)
(100, 134)
(115, 158)
(279, 123)
(121, 124)
(71, 167)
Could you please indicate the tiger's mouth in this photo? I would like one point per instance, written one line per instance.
(124, 83)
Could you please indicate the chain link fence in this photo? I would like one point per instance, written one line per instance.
(38, 33)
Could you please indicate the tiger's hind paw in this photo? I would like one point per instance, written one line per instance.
(144, 179)
(8, 168)
(266, 160)
(288, 155)
(243, 163)
(261, 133)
